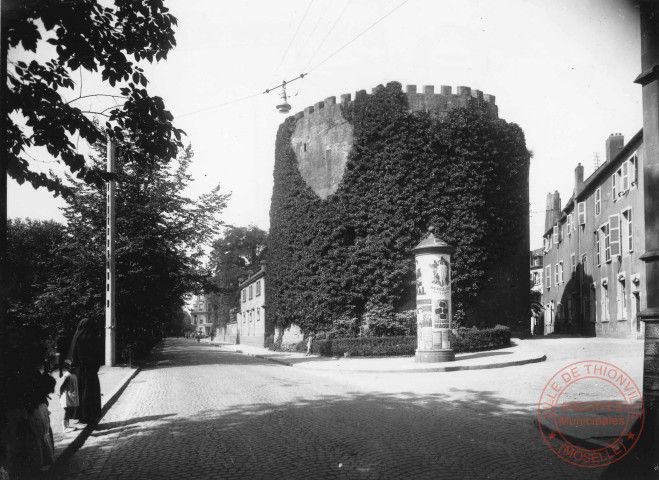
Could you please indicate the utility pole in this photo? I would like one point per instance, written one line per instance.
(110, 280)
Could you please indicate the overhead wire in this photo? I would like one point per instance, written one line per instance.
(291, 41)
(220, 105)
(302, 75)
(358, 36)
(314, 29)
(338, 19)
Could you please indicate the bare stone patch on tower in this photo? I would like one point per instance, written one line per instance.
(322, 140)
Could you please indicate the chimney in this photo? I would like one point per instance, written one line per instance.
(553, 209)
(614, 145)
(578, 179)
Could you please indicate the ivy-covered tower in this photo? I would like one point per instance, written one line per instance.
(357, 183)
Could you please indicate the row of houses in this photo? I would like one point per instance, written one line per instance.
(589, 278)
(247, 325)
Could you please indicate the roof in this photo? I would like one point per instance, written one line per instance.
(595, 179)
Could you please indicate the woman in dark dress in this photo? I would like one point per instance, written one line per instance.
(85, 356)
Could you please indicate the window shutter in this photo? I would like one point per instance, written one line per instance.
(625, 176)
(555, 233)
(613, 187)
(581, 209)
(569, 223)
(614, 234)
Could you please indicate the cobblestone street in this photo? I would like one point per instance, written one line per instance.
(196, 411)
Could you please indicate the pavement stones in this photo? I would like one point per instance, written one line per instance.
(113, 380)
(197, 411)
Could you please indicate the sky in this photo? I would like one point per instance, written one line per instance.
(562, 70)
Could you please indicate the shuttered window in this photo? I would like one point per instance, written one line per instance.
(614, 235)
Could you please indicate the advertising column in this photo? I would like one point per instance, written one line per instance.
(433, 300)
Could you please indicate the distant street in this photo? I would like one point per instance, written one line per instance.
(196, 411)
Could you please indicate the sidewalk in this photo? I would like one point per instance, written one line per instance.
(113, 381)
(520, 354)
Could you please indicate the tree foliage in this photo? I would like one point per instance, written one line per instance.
(85, 34)
(238, 249)
(347, 259)
(33, 259)
(160, 239)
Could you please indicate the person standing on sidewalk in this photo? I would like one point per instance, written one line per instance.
(84, 352)
(68, 395)
(309, 343)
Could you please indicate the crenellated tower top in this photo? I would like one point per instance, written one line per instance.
(437, 104)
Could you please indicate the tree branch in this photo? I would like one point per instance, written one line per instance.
(96, 95)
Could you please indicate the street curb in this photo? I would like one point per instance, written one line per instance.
(585, 443)
(455, 368)
(269, 359)
(84, 434)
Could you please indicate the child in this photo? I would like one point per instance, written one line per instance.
(68, 396)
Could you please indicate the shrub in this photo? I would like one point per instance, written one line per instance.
(382, 322)
(463, 340)
(472, 339)
(365, 346)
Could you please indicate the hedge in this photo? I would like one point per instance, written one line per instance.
(365, 346)
(473, 340)
(462, 340)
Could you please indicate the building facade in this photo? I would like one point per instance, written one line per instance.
(537, 310)
(594, 278)
(251, 321)
(200, 314)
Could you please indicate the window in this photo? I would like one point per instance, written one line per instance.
(633, 170)
(614, 236)
(625, 176)
(258, 314)
(244, 294)
(548, 277)
(605, 303)
(573, 265)
(621, 298)
(628, 230)
(581, 213)
(556, 276)
(604, 233)
(598, 201)
(569, 223)
(251, 292)
(584, 267)
(614, 191)
(258, 288)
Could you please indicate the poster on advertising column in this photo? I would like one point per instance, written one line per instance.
(433, 293)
